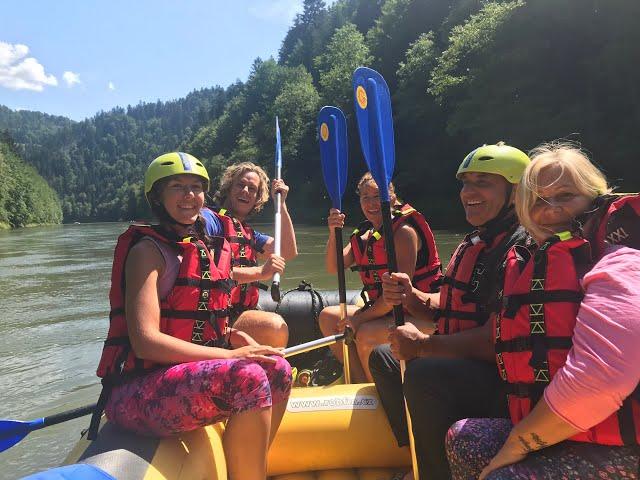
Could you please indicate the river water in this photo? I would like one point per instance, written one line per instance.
(54, 284)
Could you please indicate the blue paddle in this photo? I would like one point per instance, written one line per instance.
(13, 431)
(332, 135)
(375, 126)
(275, 284)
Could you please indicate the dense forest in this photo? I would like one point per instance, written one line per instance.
(25, 197)
(461, 73)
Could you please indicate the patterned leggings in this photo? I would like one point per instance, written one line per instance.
(191, 395)
(472, 443)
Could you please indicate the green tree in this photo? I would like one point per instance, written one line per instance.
(345, 52)
(473, 38)
(25, 197)
(400, 23)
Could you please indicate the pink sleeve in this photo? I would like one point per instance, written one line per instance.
(603, 367)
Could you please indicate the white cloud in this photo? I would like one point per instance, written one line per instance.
(71, 78)
(20, 73)
(111, 86)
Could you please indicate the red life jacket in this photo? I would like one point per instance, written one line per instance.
(468, 294)
(620, 222)
(533, 333)
(245, 254)
(196, 310)
(370, 256)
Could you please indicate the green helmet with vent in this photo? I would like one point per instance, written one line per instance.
(500, 159)
(174, 163)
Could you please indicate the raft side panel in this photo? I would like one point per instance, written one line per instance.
(320, 432)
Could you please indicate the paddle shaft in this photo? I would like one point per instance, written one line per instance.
(312, 345)
(342, 293)
(277, 235)
(65, 416)
(385, 206)
(275, 284)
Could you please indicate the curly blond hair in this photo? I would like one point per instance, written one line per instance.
(232, 173)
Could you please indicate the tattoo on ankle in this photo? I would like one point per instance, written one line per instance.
(539, 441)
(525, 444)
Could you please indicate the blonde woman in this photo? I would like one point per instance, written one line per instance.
(243, 192)
(566, 339)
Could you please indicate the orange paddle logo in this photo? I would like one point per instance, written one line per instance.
(361, 95)
(324, 132)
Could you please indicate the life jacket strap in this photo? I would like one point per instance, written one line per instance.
(422, 276)
(525, 344)
(94, 424)
(464, 286)
(368, 268)
(526, 390)
(537, 299)
(195, 315)
(225, 284)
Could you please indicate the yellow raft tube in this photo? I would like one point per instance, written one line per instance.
(336, 432)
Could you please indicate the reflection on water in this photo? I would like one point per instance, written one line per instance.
(54, 285)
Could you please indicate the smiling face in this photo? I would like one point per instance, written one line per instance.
(370, 202)
(482, 195)
(558, 202)
(183, 197)
(243, 194)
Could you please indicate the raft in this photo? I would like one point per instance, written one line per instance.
(337, 432)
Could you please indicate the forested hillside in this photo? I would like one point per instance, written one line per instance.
(96, 165)
(461, 73)
(25, 197)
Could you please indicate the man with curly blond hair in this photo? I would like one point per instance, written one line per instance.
(242, 192)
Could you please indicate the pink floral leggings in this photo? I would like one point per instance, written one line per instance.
(191, 395)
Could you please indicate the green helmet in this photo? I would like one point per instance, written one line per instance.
(174, 163)
(500, 159)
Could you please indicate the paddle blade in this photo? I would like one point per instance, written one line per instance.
(375, 125)
(12, 431)
(332, 134)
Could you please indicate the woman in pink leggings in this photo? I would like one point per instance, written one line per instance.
(170, 362)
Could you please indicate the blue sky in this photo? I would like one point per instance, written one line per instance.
(75, 58)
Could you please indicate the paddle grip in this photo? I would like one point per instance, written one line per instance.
(69, 415)
(398, 312)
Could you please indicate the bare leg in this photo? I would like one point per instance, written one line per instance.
(277, 412)
(266, 328)
(245, 442)
(328, 321)
(376, 332)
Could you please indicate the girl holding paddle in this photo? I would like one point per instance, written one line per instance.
(243, 192)
(170, 362)
(417, 257)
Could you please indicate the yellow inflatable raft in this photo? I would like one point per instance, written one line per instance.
(337, 432)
